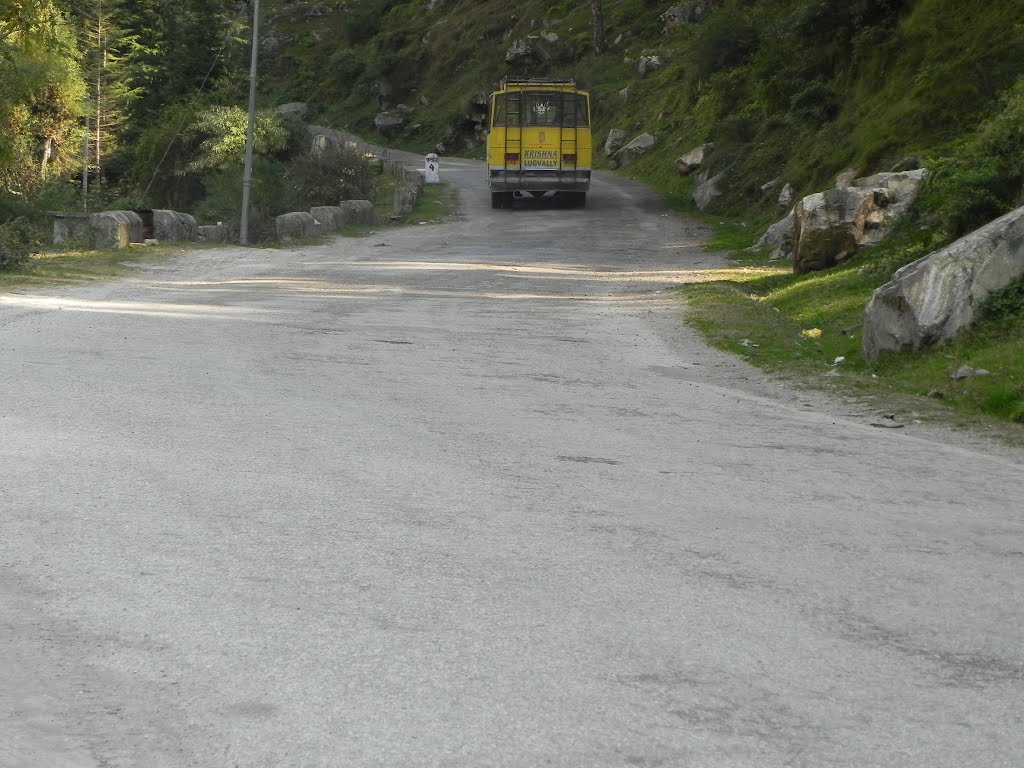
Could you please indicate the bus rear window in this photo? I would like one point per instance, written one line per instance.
(540, 108)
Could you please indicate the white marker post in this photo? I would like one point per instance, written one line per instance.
(432, 170)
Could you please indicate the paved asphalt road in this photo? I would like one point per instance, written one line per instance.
(470, 495)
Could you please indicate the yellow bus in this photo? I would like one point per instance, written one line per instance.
(539, 140)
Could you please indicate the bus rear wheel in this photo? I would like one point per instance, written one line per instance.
(496, 200)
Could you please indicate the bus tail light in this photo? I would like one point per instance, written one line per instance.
(569, 159)
(512, 158)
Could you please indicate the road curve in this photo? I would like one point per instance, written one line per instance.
(469, 494)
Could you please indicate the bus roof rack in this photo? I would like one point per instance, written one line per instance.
(524, 80)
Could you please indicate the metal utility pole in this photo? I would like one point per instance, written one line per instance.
(251, 130)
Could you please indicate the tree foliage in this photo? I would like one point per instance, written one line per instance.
(219, 137)
(41, 94)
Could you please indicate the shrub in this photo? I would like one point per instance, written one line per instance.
(1005, 303)
(17, 240)
(983, 177)
(223, 200)
(327, 177)
(346, 67)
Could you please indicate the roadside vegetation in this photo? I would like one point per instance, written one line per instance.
(807, 329)
(763, 314)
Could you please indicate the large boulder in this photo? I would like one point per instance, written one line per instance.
(637, 147)
(358, 211)
(297, 225)
(707, 190)
(616, 138)
(331, 217)
(647, 64)
(275, 41)
(297, 110)
(936, 297)
(174, 226)
(329, 138)
(390, 122)
(685, 13)
(526, 52)
(894, 193)
(830, 226)
(693, 159)
(823, 231)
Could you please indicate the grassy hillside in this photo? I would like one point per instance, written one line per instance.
(790, 89)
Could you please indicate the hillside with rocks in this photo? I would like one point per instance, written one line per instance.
(775, 97)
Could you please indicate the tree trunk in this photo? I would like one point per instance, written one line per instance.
(597, 24)
(100, 57)
(47, 154)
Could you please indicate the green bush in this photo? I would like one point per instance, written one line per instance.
(345, 66)
(1005, 303)
(982, 177)
(223, 201)
(17, 240)
(327, 177)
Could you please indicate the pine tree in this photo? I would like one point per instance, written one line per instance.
(111, 91)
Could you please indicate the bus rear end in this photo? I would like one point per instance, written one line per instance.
(539, 141)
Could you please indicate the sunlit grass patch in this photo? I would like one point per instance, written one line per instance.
(54, 267)
(810, 326)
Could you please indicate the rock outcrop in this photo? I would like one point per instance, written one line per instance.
(693, 159)
(647, 64)
(936, 297)
(616, 138)
(830, 226)
(707, 190)
(297, 110)
(391, 122)
(685, 13)
(637, 147)
(525, 53)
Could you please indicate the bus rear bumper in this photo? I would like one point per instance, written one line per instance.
(558, 181)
